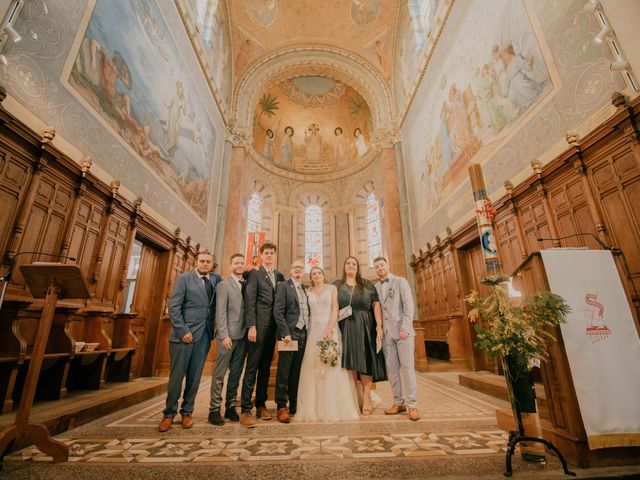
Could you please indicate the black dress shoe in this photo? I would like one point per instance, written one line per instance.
(215, 418)
(292, 412)
(232, 415)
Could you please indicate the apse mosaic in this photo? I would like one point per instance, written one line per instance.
(483, 89)
(312, 125)
(138, 85)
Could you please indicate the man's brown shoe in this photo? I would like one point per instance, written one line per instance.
(165, 424)
(283, 415)
(247, 420)
(414, 414)
(187, 420)
(263, 413)
(395, 409)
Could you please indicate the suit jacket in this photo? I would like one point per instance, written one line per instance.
(286, 309)
(258, 297)
(190, 309)
(229, 310)
(397, 307)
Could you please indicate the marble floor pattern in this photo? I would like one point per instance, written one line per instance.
(456, 435)
(455, 421)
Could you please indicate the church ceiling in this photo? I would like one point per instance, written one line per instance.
(361, 27)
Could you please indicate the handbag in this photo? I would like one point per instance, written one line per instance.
(347, 311)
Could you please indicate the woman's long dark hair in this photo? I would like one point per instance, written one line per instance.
(359, 280)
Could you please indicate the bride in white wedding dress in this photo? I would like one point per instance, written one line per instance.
(328, 396)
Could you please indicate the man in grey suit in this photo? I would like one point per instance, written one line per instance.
(397, 313)
(230, 342)
(192, 311)
(291, 312)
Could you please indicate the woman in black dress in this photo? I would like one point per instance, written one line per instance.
(360, 330)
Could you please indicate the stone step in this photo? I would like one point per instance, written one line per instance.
(496, 386)
(80, 407)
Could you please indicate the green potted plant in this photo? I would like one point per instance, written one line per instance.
(520, 333)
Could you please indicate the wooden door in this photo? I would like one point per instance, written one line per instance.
(147, 301)
(473, 271)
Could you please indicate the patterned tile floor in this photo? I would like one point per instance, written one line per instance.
(455, 422)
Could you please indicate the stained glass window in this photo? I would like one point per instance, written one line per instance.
(312, 237)
(374, 235)
(254, 216)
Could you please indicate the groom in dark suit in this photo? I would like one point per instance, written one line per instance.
(258, 295)
(291, 311)
(191, 310)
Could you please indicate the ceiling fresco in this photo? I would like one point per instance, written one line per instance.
(362, 27)
(312, 125)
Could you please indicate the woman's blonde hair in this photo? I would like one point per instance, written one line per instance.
(311, 273)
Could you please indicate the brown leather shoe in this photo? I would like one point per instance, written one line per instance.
(165, 424)
(247, 420)
(283, 415)
(414, 414)
(395, 409)
(187, 420)
(263, 413)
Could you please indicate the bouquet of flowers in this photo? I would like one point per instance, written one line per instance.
(329, 354)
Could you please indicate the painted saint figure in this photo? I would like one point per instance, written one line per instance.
(340, 148)
(286, 148)
(361, 145)
(176, 110)
(269, 141)
(313, 140)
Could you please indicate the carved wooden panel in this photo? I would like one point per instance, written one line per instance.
(45, 223)
(534, 222)
(113, 259)
(569, 204)
(86, 231)
(14, 177)
(452, 299)
(509, 244)
(617, 180)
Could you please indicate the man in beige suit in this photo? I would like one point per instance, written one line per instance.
(230, 342)
(397, 313)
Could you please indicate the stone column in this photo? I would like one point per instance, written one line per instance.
(223, 202)
(234, 238)
(392, 228)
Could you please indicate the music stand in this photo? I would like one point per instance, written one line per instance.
(50, 281)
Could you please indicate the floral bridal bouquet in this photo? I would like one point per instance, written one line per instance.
(329, 354)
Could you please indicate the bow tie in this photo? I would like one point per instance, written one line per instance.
(386, 280)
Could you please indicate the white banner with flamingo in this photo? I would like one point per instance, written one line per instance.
(602, 344)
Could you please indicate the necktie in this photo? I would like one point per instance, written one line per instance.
(384, 280)
(272, 277)
(208, 287)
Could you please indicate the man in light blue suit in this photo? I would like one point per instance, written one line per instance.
(397, 318)
(192, 311)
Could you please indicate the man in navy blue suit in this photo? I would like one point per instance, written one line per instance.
(191, 310)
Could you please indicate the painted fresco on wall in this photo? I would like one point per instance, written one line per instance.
(134, 83)
(312, 125)
(211, 19)
(364, 12)
(415, 23)
(262, 12)
(483, 89)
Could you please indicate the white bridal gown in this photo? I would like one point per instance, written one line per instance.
(332, 397)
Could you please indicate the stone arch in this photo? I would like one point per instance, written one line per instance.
(320, 60)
